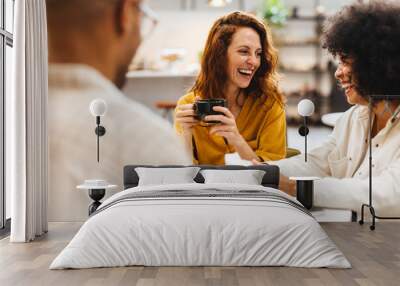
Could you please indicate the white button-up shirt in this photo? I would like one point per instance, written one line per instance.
(343, 164)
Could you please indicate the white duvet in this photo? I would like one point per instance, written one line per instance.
(192, 231)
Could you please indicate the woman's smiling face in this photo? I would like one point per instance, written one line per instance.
(244, 57)
(344, 74)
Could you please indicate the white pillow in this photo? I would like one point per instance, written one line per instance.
(163, 176)
(248, 177)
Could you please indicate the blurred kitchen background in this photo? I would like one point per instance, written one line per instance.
(167, 63)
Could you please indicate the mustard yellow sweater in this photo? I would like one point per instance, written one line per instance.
(261, 123)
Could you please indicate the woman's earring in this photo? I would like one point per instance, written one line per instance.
(386, 108)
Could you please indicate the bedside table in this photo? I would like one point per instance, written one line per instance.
(96, 190)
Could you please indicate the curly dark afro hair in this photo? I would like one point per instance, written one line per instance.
(369, 34)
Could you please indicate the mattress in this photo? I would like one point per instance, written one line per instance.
(201, 225)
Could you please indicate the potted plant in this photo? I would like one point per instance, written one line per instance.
(274, 13)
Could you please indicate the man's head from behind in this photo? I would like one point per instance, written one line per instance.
(104, 34)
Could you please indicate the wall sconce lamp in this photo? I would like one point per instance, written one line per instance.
(305, 108)
(305, 185)
(98, 108)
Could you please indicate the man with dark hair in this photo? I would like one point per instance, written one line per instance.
(366, 40)
(91, 44)
(103, 34)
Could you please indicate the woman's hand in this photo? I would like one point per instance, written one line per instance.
(185, 117)
(287, 186)
(227, 128)
(256, 162)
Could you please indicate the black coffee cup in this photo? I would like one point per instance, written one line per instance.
(305, 193)
(205, 107)
(305, 190)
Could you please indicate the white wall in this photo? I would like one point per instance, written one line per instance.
(178, 29)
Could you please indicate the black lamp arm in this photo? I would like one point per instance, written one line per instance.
(305, 138)
(303, 131)
(99, 131)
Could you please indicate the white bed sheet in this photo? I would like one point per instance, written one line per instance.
(200, 232)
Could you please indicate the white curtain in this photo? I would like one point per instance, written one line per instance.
(26, 123)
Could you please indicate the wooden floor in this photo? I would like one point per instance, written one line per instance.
(375, 257)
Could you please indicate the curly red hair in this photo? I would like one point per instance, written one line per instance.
(213, 75)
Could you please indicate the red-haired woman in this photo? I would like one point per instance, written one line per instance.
(239, 64)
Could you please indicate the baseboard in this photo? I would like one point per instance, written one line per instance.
(334, 215)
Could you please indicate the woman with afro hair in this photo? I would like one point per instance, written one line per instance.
(365, 39)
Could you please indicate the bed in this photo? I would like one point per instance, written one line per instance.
(204, 222)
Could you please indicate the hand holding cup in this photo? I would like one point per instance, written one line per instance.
(227, 127)
(186, 116)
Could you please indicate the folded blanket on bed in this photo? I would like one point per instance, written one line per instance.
(201, 224)
(206, 193)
